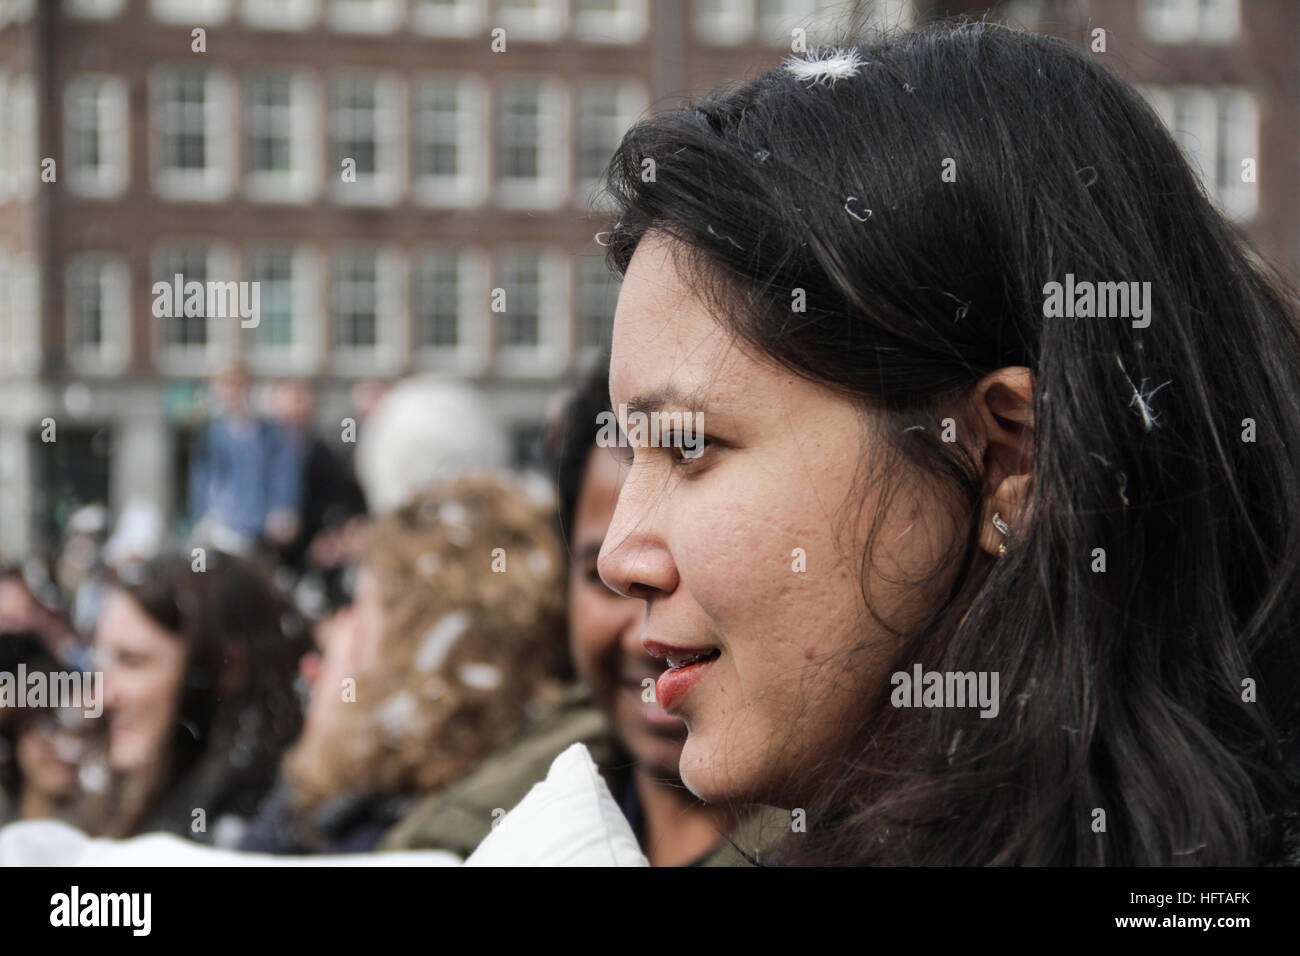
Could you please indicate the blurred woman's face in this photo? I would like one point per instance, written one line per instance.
(349, 642)
(749, 556)
(46, 757)
(144, 670)
(605, 631)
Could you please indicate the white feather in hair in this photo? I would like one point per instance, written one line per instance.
(826, 66)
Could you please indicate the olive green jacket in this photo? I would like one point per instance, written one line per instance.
(460, 815)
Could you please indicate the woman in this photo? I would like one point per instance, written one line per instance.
(454, 641)
(199, 657)
(39, 742)
(914, 464)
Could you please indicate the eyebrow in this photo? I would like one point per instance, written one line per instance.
(590, 551)
(653, 401)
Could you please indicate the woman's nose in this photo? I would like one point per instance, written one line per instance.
(635, 560)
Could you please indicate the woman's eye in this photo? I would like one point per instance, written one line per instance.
(686, 453)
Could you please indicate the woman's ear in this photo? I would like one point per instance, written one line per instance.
(1004, 420)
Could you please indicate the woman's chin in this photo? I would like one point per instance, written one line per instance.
(699, 771)
(126, 756)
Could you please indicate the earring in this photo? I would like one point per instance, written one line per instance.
(1002, 527)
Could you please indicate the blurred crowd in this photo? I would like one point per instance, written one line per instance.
(369, 641)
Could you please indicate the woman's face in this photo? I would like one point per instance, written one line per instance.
(144, 668)
(47, 758)
(349, 642)
(752, 550)
(605, 631)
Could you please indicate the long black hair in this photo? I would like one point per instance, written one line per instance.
(922, 205)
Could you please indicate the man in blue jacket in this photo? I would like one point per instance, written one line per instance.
(245, 476)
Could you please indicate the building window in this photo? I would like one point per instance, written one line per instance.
(610, 21)
(279, 137)
(364, 136)
(530, 332)
(597, 299)
(92, 9)
(1237, 141)
(279, 14)
(365, 16)
(366, 305)
(521, 323)
(605, 111)
(458, 18)
(6, 142)
(189, 343)
(447, 308)
(447, 141)
(438, 296)
(188, 12)
(97, 306)
(775, 20)
(20, 311)
(724, 22)
(191, 115)
(19, 159)
(888, 14)
(356, 301)
(531, 144)
(284, 338)
(1218, 130)
(7, 336)
(95, 115)
(1190, 21)
(531, 19)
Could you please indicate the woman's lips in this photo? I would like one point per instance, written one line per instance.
(686, 667)
(675, 682)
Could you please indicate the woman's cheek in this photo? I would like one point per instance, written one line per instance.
(716, 545)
